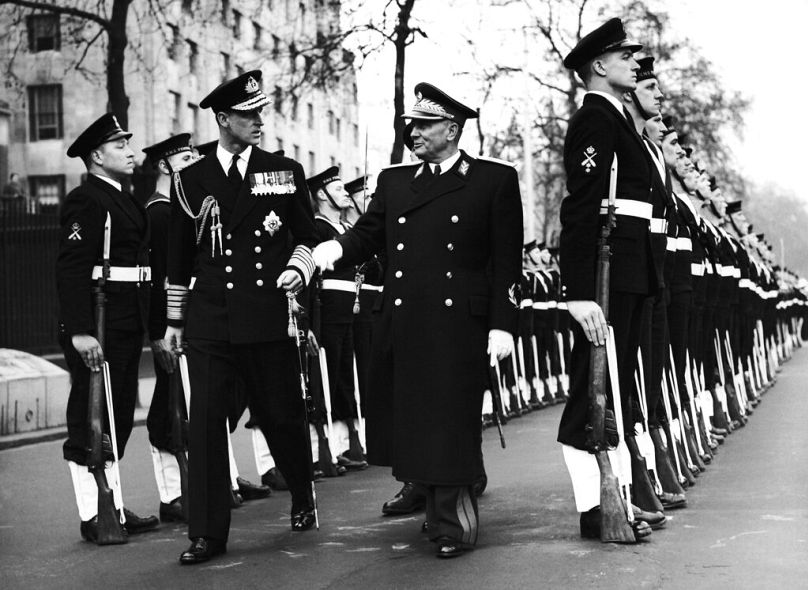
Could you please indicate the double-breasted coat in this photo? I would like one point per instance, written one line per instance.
(453, 247)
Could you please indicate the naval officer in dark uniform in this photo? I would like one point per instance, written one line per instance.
(241, 223)
(452, 230)
(104, 148)
(599, 131)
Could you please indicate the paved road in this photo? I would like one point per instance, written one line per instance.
(746, 525)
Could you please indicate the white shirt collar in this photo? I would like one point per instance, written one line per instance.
(108, 180)
(614, 102)
(226, 158)
(447, 164)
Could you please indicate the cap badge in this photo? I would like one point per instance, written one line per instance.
(251, 85)
(75, 229)
(272, 223)
(589, 159)
(425, 105)
(115, 120)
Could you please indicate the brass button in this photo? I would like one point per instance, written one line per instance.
(259, 266)
(450, 246)
(402, 219)
(228, 236)
(228, 252)
(399, 274)
(258, 233)
(228, 269)
(397, 302)
(229, 285)
(258, 249)
(455, 219)
(400, 247)
(449, 275)
(449, 303)
(259, 282)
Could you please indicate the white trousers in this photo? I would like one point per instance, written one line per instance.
(167, 475)
(86, 489)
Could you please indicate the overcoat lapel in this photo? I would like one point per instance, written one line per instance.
(454, 179)
(115, 197)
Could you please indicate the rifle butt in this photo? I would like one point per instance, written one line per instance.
(110, 531)
(614, 525)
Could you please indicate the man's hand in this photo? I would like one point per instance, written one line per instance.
(173, 339)
(326, 254)
(164, 354)
(89, 350)
(590, 316)
(312, 346)
(290, 280)
(500, 344)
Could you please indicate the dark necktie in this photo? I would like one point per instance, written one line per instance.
(427, 175)
(233, 175)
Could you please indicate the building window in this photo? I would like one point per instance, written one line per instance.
(174, 111)
(312, 163)
(187, 6)
(296, 150)
(45, 111)
(47, 191)
(339, 129)
(194, 110)
(333, 161)
(173, 42)
(310, 115)
(294, 108)
(237, 24)
(331, 126)
(280, 144)
(356, 172)
(225, 65)
(193, 56)
(239, 70)
(355, 128)
(292, 57)
(257, 37)
(225, 11)
(276, 47)
(44, 33)
(277, 98)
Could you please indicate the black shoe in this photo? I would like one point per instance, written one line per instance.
(656, 520)
(172, 512)
(202, 550)
(672, 501)
(251, 491)
(350, 464)
(408, 500)
(448, 548)
(89, 532)
(303, 520)
(135, 524)
(275, 480)
(478, 487)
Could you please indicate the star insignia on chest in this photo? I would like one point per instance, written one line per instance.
(272, 223)
(75, 229)
(588, 162)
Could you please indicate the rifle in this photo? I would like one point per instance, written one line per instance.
(495, 383)
(357, 439)
(110, 531)
(176, 401)
(327, 462)
(293, 309)
(614, 526)
(327, 399)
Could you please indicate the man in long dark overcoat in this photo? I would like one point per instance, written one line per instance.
(451, 226)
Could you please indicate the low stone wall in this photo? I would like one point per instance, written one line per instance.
(33, 392)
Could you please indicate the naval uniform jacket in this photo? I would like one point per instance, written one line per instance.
(266, 223)
(453, 247)
(337, 290)
(159, 210)
(81, 242)
(595, 134)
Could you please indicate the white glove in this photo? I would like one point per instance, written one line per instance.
(326, 254)
(500, 344)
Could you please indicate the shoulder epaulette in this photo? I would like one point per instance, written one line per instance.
(496, 161)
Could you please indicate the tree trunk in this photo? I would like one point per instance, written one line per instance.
(118, 101)
(402, 33)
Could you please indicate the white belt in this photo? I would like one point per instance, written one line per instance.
(552, 304)
(736, 272)
(124, 274)
(708, 268)
(526, 303)
(727, 271)
(562, 305)
(658, 226)
(746, 284)
(540, 305)
(628, 207)
(670, 245)
(697, 269)
(377, 288)
(339, 285)
(684, 244)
